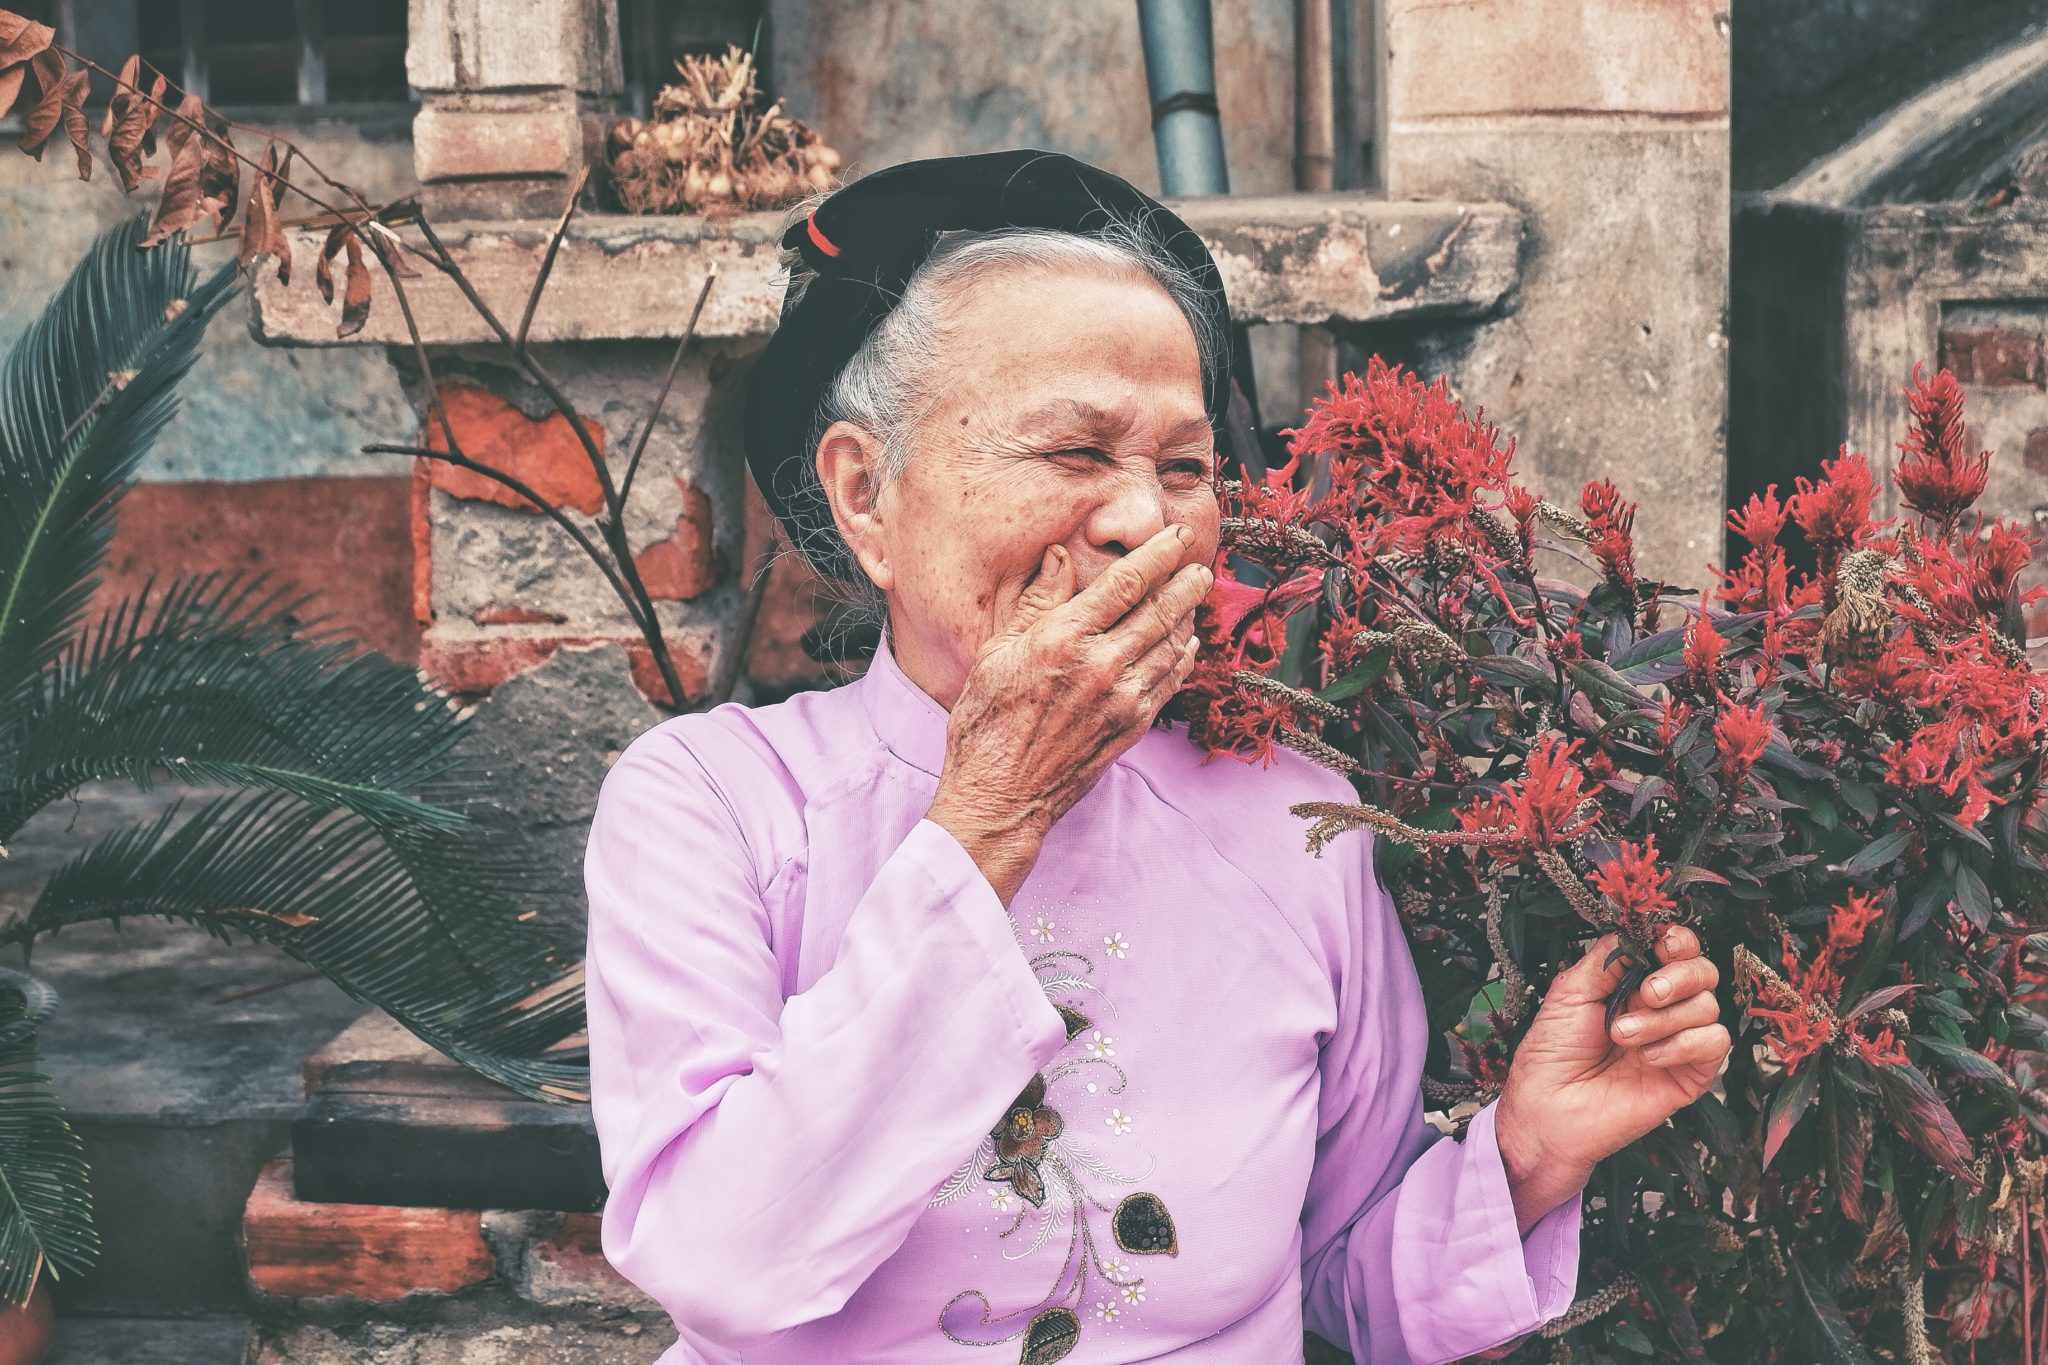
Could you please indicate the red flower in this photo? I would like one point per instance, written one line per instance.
(1613, 522)
(1936, 478)
(1835, 512)
(1760, 520)
(1740, 734)
(1703, 645)
(1545, 803)
(1882, 1050)
(1847, 924)
(1634, 882)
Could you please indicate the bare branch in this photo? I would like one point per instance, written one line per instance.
(674, 361)
(547, 262)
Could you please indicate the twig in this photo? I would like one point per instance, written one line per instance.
(547, 262)
(540, 504)
(668, 379)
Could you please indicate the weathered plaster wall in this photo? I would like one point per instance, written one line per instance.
(1606, 122)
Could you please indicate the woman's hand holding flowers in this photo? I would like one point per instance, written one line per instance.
(1578, 1092)
(1074, 680)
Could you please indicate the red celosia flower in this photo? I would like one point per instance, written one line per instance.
(1996, 559)
(1760, 520)
(1796, 1033)
(1740, 734)
(1936, 478)
(1703, 645)
(1634, 882)
(1881, 1050)
(1546, 802)
(1835, 511)
(1847, 924)
(1613, 522)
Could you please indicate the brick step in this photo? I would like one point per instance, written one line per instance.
(371, 1284)
(390, 1121)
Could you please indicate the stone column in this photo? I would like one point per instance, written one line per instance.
(511, 94)
(1606, 122)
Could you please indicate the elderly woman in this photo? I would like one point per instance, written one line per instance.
(966, 1006)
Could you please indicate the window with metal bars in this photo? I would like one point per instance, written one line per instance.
(239, 53)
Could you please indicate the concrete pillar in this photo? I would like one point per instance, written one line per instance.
(1606, 122)
(512, 93)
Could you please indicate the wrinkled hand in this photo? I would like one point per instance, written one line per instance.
(1073, 680)
(1577, 1093)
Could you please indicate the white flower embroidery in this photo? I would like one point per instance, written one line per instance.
(1115, 1269)
(1115, 945)
(1099, 1046)
(1107, 1311)
(1042, 931)
(1003, 1201)
(1134, 1294)
(1119, 1122)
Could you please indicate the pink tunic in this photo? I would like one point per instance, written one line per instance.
(1165, 1107)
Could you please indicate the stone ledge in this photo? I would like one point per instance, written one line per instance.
(1285, 258)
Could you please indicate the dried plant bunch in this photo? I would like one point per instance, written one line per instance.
(1835, 777)
(712, 147)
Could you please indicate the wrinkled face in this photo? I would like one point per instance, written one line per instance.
(1071, 414)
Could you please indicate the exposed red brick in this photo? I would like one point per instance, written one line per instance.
(793, 601)
(544, 455)
(685, 565)
(1994, 357)
(512, 614)
(345, 541)
(691, 672)
(2036, 456)
(369, 1252)
(477, 665)
(419, 505)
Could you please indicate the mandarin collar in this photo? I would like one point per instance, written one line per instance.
(910, 724)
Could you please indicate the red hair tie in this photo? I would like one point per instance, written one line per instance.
(817, 237)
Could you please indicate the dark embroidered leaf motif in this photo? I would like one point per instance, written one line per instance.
(1077, 1022)
(1050, 1337)
(1143, 1227)
(1027, 1182)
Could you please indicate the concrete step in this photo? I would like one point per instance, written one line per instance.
(216, 1339)
(179, 1060)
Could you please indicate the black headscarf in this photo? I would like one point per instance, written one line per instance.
(865, 242)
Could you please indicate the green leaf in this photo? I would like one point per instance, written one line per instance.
(1923, 1119)
(1630, 1337)
(1966, 1061)
(1822, 1323)
(1364, 674)
(1878, 853)
(1973, 898)
(45, 1198)
(1793, 1098)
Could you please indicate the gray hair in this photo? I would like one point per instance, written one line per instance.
(892, 383)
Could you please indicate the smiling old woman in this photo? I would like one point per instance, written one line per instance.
(965, 1006)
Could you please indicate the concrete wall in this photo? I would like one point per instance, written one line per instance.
(1606, 122)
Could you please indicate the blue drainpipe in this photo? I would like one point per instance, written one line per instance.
(1180, 72)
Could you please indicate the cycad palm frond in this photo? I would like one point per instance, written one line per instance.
(215, 681)
(45, 1198)
(338, 893)
(82, 395)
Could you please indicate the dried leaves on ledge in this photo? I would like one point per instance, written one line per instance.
(711, 148)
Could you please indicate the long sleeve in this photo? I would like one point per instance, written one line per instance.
(1410, 1246)
(763, 1156)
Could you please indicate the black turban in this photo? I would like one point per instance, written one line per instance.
(865, 242)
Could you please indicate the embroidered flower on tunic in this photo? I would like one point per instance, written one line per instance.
(1042, 931)
(1134, 1293)
(1003, 1201)
(1099, 1046)
(1020, 1142)
(1107, 1311)
(1119, 1122)
(1114, 945)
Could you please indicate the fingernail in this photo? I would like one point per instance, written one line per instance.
(1653, 1052)
(1629, 1026)
(1183, 534)
(1673, 940)
(1660, 987)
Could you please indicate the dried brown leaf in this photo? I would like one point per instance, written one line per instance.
(220, 174)
(181, 204)
(157, 88)
(355, 300)
(48, 111)
(131, 117)
(262, 233)
(74, 122)
(10, 87)
(323, 270)
(21, 39)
